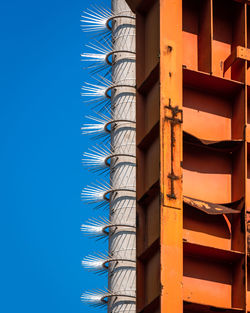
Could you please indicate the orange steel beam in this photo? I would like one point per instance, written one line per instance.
(239, 53)
(246, 51)
(171, 217)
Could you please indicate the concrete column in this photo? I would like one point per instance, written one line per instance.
(122, 241)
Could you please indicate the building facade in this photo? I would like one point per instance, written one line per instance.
(193, 147)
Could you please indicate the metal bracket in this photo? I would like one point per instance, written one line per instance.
(174, 120)
(239, 53)
(175, 111)
(172, 177)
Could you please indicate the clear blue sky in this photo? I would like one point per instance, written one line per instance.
(41, 147)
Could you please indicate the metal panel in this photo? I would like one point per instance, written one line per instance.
(171, 155)
(193, 234)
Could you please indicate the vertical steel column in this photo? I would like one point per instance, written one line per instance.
(171, 155)
(122, 240)
(246, 214)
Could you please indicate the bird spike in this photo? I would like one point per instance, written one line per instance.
(99, 52)
(98, 94)
(103, 86)
(101, 91)
(96, 192)
(101, 263)
(96, 298)
(101, 297)
(97, 159)
(101, 227)
(98, 128)
(96, 227)
(93, 90)
(96, 19)
(101, 192)
(102, 125)
(96, 262)
(98, 56)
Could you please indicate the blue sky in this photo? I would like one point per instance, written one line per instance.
(41, 147)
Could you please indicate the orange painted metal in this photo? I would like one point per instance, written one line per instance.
(240, 53)
(171, 217)
(193, 156)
